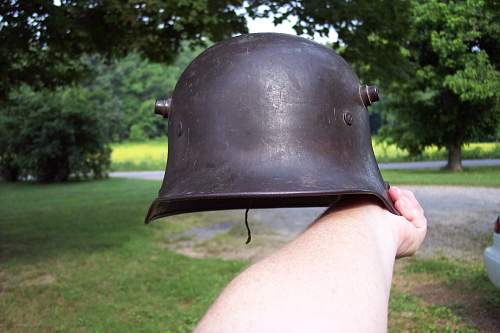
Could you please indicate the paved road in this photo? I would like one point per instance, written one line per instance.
(437, 164)
(149, 175)
(158, 175)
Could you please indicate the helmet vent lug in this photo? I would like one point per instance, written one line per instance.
(368, 94)
(163, 107)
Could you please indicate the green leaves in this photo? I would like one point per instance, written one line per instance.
(477, 81)
(436, 62)
(135, 83)
(453, 96)
(41, 43)
(52, 136)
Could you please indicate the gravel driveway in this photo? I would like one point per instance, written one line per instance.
(461, 219)
(460, 225)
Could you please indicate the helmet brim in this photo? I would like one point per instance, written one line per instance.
(163, 207)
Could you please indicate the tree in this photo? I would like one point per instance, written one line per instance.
(455, 90)
(437, 60)
(42, 41)
(136, 83)
(50, 136)
(51, 133)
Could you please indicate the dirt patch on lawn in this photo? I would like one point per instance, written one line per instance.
(8, 281)
(226, 238)
(229, 247)
(469, 305)
(42, 280)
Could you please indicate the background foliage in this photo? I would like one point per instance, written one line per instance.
(437, 62)
(51, 131)
(50, 135)
(135, 83)
(42, 41)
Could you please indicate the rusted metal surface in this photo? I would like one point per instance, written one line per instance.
(267, 120)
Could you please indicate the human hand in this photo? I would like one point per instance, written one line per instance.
(412, 225)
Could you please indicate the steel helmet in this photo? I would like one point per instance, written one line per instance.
(267, 120)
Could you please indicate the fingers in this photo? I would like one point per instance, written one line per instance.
(404, 208)
(414, 224)
(406, 203)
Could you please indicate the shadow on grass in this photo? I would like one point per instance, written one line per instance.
(42, 220)
(77, 257)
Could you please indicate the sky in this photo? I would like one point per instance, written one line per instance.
(267, 25)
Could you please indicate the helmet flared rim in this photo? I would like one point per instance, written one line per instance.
(165, 206)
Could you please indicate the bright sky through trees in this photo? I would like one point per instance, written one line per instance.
(267, 25)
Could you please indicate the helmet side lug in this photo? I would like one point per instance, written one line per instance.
(368, 94)
(163, 107)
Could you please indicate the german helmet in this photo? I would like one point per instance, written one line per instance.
(263, 121)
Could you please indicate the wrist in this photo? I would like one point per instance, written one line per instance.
(368, 217)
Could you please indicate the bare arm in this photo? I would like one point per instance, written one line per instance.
(335, 277)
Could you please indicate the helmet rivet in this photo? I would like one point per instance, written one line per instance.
(348, 119)
(163, 107)
(369, 94)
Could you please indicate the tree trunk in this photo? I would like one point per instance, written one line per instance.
(454, 157)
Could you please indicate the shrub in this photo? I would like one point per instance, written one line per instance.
(137, 133)
(55, 135)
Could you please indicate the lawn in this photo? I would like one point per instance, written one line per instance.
(77, 257)
(480, 176)
(426, 291)
(152, 155)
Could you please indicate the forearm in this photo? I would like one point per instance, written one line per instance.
(336, 276)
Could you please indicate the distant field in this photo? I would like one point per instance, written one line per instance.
(139, 156)
(390, 153)
(152, 155)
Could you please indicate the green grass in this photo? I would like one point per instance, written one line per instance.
(454, 296)
(408, 313)
(77, 257)
(480, 176)
(468, 276)
(152, 155)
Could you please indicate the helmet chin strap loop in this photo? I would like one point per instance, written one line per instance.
(249, 234)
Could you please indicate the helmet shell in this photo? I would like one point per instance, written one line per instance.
(267, 120)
